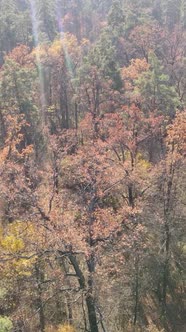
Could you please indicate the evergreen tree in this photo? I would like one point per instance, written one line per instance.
(155, 89)
(45, 19)
(15, 26)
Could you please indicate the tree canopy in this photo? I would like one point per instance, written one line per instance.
(92, 164)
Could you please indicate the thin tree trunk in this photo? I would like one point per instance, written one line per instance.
(167, 210)
(76, 116)
(136, 290)
(40, 279)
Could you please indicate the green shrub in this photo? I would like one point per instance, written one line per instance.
(5, 324)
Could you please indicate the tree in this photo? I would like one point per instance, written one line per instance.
(58, 69)
(15, 27)
(172, 52)
(17, 91)
(172, 13)
(144, 39)
(104, 57)
(44, 21)
(155, 90)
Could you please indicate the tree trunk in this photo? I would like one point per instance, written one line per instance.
(167, 210)
(165, 268)
(130, 195)
(91, 313)
(40, 279)
(136, 290)
(76, 116)
(90, 296)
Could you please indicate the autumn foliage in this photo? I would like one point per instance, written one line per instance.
(92, 164)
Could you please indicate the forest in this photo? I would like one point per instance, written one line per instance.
(92, 165)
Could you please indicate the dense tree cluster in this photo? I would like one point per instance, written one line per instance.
(92, 164)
